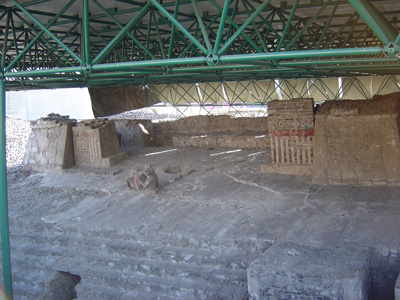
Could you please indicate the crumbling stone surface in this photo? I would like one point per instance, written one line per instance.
(146, 182)
(58, 117)
(358, 142)
(50, 143)
(96, 143)
(291, 131)
(379, 105)
(217, 128)
(290, 271)
(295, 114)
(134, 132)
(222, 141)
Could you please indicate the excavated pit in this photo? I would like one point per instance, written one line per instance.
(62, 287)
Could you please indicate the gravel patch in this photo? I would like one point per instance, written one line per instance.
(17, 136)
(27, 198)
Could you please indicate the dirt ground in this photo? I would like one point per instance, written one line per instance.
(213, 195)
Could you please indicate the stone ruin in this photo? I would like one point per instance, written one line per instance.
(291, 132)
(357, 142)
(96, 143)
(333, 143)
(59, 142)
(353, 142)
(50, 142)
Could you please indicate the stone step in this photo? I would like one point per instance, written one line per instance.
(58, 245)
(229, 268)
(88, 291)
(156, 288)
(134, 266)
(122, 267)
(183, 278)
(51, 232)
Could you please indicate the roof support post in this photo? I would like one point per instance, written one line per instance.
(171, 41)
(242, 28)
(256, 30)
(179, 26)
(288, 24)
(221, 26)
(375, 20)
(86, 34)
(202, 27)
(5, 42)
(5, 235)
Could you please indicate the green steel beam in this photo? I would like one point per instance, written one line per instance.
(307, 25)
(5, 235)
(233, 24)
(243, 27)
(256, 29)
(160, 43)
(179, 26)
(38, 36)
(150, 63)
(121, 27)
(202, 27)
(221, 26)
(287, 26)
(305, 54)
(190, 45)
(171, 41)
(52, 47)
(44, 72)
(45, 29)
(5, 42)
(375, 20)
(118, 38)
(86, 33)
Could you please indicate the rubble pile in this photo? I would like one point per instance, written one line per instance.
(17, 136)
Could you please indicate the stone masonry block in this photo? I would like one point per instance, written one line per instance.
(345, 145)
(290, 271)
(50, 144)
(94, 141)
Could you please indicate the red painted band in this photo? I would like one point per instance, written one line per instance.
(293, 132)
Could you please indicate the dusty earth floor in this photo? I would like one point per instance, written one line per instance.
(209, 195)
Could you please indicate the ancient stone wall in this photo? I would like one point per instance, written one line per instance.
(50, 144)
(291, 131)
(221, 131)
(289, 271)
(134, 132)
(96, 143)
(357, 142)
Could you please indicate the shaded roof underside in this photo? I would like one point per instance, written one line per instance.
(49, 43)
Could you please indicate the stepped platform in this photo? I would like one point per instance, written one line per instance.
(202, 236)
